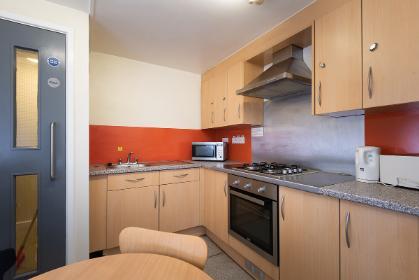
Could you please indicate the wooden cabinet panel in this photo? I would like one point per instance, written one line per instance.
(391, 70)
(216, 203)
(97, 213)
(384, 245)
(179, 206)
(338, 60)
(137, 207)
(207, 104)
(179, 176)
(219, 90)
(309, 236)
(235, 81)
(133, 180)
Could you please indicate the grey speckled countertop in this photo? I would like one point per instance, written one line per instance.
(386, 197)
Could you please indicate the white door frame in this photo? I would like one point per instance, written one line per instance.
(69, 33)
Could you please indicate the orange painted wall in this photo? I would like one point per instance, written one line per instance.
(156, 144)
(395, 131)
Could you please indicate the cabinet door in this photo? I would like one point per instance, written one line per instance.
(207, 104)
(391, 73)
(235, 81)
(378, 244)
(218, 88)
(338, 60)
(137, 207)
(216, 203)
(179, 206)
(97, 213)
(309, 236)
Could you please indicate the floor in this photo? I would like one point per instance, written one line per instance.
(220, 266)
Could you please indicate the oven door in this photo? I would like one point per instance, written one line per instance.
(253, 220)
(204, 151)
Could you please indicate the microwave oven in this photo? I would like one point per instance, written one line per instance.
(212, 151)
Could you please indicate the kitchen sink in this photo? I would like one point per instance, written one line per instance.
(127, 165)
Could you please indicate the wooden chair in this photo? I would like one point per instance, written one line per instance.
(191, 249)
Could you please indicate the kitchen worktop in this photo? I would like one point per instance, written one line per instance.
(378, 195)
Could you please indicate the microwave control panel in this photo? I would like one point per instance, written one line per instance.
(219, 152)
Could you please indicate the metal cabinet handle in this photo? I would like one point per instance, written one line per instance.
(155, 199)
(370, 82)
(224, 114)
(319, 95)
(225, 188)
(181, 176)
(164, 198)
(52, 152)
(373, 47)
(238, 111)
(282, 207)
(322, 65)
(134, 180)
(348, 217)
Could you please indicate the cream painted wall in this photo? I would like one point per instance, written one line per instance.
(126, 92)
(76, 23)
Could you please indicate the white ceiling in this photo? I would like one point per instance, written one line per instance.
(82, 5)
(191, 35)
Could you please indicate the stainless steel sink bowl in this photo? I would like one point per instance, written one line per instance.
(127, 165)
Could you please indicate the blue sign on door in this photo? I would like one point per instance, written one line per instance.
(53, 61)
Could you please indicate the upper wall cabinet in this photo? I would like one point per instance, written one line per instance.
(338, 60)
(390, 52)
(221, 106)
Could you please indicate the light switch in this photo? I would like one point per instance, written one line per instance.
(120, 149)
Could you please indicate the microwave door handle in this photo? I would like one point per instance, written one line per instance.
(249, 198)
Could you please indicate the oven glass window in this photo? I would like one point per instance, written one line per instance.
(207, 151)
(252, 221)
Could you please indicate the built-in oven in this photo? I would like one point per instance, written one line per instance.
(253, 218)
(212, 151)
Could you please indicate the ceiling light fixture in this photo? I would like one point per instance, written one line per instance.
(258, 2)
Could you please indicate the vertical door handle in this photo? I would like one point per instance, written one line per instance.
(155, 199)
(224, 114)
(164, 198)
(52, 151)
(282, 207)
(347, 220)
(225, 189)
(319, 95)
(370, 82)
(238, 110)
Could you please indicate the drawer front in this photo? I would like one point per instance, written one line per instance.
(179, 176)
(132, 180)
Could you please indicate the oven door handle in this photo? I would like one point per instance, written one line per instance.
(249, 198)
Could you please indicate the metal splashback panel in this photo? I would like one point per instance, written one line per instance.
(293, 135)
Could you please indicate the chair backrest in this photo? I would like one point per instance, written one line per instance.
(191, 249)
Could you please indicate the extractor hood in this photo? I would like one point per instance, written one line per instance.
(288, 75)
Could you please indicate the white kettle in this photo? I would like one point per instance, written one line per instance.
(367, 164)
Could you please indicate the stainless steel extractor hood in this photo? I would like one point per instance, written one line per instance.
(288, 75)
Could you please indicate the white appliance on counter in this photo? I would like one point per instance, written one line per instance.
(367, 164)
(400, 171)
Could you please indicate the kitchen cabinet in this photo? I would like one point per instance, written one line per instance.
(179, 206)
(136, 207)
(390, 52)
(241, 109)
(216, 203)
(97, 213)
(309, 236)
(338, 60)
(378, 244)
(221, 106)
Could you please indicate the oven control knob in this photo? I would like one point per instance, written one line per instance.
(262, 189)
(236, 182)
(247, 186)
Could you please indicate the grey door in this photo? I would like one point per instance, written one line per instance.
(32, 150)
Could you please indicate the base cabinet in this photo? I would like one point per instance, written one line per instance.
(97, 213)
(378, 244)
(309, 236)
(179, 206)
(216, 203)
(136, 207)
